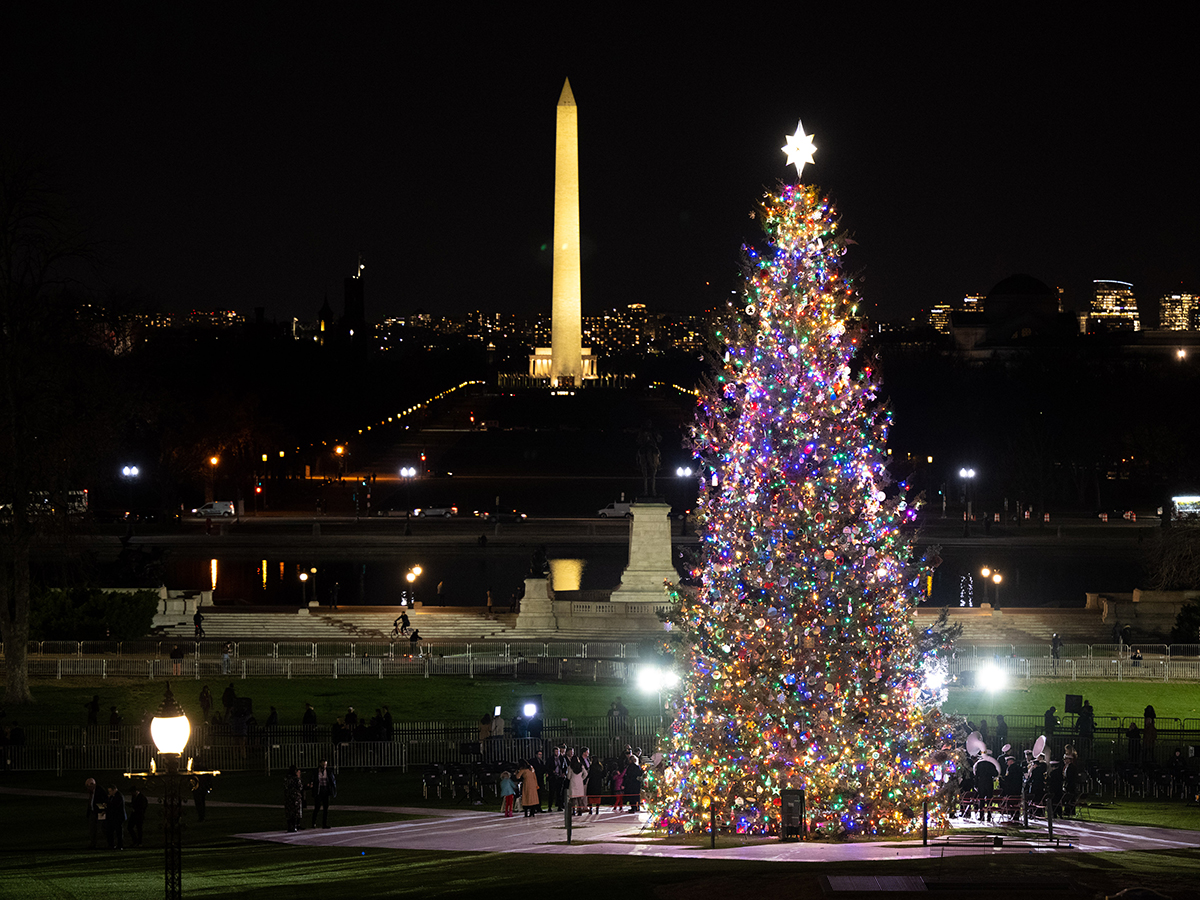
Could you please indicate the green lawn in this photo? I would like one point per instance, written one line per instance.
(1109, 698)
(411, 698)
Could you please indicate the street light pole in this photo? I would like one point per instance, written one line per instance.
(967, 475)
(170, 730)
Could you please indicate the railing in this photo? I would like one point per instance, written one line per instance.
(214, 649)
(1080, 651)
(210, 650)
(59, 748)
(427, 665)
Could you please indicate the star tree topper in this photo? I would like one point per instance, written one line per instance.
(799, 149)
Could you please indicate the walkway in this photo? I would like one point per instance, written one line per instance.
(610, 833)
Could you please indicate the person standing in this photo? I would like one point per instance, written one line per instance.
(1086, 726)
(508, 793)
(95, 803)
(226, 657)
(324, 788)
(200, 785)
(1001, 733)
(1049, 722)
(618, 786)
(228, 699)
(309, 722)
(198, 622)
(578, 781)
(293, 799)
(1056, 644)
(633, 782)
(93, 710)
(206, 703)
(527, 774)
(538, 764)
(137, 816)
(176, 659)
(595, 786)
(114, 818)
(1133, 735)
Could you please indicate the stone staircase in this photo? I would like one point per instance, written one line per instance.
(1025, 626)
(441, 623)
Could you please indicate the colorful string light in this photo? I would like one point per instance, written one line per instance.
(802, 669)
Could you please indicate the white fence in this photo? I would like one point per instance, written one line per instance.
(427, 665)
(209, 650)
(1080, 669)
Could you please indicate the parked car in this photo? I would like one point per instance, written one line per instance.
(426, 512)
(615, 510)
(216, 508)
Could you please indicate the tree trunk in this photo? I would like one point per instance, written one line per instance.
(14, 622)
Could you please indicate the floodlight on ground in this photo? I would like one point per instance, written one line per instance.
(991, 678)
(655, 679)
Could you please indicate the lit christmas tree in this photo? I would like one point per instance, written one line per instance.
(801, 665)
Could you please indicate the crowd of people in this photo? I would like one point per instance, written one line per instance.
(572, 780)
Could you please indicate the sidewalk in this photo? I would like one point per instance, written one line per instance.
(627, 835)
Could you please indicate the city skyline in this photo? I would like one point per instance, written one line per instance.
(235, 163)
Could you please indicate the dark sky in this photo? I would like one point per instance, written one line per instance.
(236, 156)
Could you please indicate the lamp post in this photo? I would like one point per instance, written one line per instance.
(170, 730)
(995, 577)
(967, 475)
(212, 478)
(411, 577)
(130, 474)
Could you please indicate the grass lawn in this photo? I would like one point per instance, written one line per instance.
(411, 698)
(1109, 698)
(44, 856)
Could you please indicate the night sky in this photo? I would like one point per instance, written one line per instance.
(242, 156)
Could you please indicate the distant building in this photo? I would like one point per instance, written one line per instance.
(1114, 308)
(1178, 312)
(939, 314)
(1018, 315)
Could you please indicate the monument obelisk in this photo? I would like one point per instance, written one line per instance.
(566, 340)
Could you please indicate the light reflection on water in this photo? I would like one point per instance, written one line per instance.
(452, 578)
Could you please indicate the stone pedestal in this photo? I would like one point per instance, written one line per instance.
(537, 609)
(649, 555)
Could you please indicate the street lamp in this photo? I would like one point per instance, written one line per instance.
(170, 730)
(411, 577)
(996, 578)
(212, 478)
(967, 475)
(130, 474)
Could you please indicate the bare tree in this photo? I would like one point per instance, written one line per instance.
(37, 392)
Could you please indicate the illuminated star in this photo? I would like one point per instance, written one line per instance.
(799, 149)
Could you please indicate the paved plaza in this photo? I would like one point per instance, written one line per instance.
(611, 833)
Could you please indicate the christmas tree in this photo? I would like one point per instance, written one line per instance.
(801, 666)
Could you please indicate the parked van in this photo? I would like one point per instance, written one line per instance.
(216, 508)
(615, 510)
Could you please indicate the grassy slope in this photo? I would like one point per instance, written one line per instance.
(411, 698)
(451, 698)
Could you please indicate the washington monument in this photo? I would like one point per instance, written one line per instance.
(566, 342)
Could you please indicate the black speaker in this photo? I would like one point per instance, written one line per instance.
(1074, 703)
